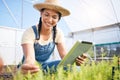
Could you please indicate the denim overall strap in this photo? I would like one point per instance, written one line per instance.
(36, 32)
(42, 52)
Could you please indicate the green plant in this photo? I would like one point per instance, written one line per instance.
(95, 71)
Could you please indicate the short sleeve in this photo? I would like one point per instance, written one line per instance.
(59, 36)
(28, 36)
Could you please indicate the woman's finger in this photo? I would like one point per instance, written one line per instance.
(80, 58)
(84, 56)
(29, 71)
(34, 71)
(29, 67)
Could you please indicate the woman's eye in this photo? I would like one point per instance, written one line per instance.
(54, 17)
(46, 14)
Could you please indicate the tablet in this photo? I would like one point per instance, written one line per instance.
(78, 49)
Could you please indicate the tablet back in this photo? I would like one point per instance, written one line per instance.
(78, 48)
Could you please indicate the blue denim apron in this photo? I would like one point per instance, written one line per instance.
(43, 52)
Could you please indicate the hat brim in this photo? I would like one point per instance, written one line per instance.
(60, 9)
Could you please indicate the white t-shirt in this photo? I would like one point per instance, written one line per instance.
(29, 37)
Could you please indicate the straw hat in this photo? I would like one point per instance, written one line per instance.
(52, 4)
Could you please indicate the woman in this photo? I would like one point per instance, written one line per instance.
(39, 41)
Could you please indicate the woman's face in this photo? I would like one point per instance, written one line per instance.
(49, 18)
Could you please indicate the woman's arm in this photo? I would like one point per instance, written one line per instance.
(28, 51)
(29, 64)
(61, 49)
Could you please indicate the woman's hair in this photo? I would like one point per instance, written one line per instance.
(59, 14)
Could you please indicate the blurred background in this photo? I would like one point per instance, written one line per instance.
(97, 21)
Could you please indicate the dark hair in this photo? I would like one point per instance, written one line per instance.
(39, 27)
(59, 14)
(54, 34)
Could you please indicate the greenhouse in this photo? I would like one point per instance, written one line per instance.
(95, 21)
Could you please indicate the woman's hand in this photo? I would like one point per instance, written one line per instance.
(81, 59)
(29, 68)
(29, 64)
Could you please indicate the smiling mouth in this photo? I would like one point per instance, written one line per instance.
(48, 24)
